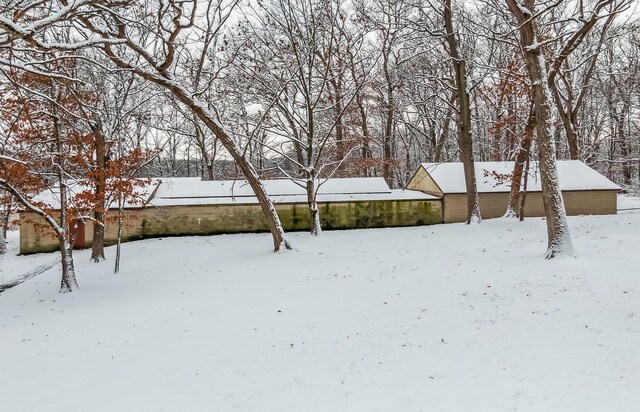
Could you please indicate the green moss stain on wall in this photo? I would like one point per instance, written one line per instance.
(389, 213)
(218, 219)
(209, 219)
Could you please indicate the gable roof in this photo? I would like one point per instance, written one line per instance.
(572, 175)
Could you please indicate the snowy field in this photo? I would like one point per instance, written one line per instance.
(438, 318)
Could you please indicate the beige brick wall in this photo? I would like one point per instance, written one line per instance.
(492, 205)
(36, 236)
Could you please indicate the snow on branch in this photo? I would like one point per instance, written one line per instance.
(28, 32)
(525, 11)
(11, 159)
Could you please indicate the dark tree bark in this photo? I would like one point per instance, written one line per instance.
(465, 141)
(116, 268)
(621, 140)
(387, 138)
(100, 182)
(521, 160)
(568, 104)
(159, 75)
(268, 208)
(523, 190)
(439, 143)
(3, 234)
(362, 111)
(336, 96)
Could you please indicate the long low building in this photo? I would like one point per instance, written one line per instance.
(435, 194)
(191, 206)
(584, 191)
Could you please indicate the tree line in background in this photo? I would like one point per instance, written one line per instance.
(99, 93)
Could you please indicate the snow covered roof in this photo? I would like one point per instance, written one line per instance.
(51, 197)
(572, 175)
(184, 191)
(194, 191)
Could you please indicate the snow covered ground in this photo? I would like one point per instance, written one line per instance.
(628, 202)
(437, 318)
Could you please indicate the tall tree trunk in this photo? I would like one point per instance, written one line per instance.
(522, 159)
(314, 212)
(97, 247)
(311, 174)
(569, 128)
(68, 282)
(569, 110)
(496, 152)
(337, 113)
(559, 240)
(465, 141)
(523, 190)
(204, 153)
(199, 109)
(387, 147)
(624, 148)
(566, 117)
(387, 138)
(366, 138)
(116, 268)
(439, 146)
(160, 76)
(3, 233)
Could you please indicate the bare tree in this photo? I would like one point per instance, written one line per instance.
(567, 82)
(388, 21)
(292, 56)
(618, 149)
(517, 193)
(155, 39)
(464, 116)
(49, 132)
(559, 239)
(3, 230)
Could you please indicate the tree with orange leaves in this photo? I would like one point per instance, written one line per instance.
(54, 142)
(44, 150)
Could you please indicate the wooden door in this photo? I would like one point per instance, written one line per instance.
(77, 233)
